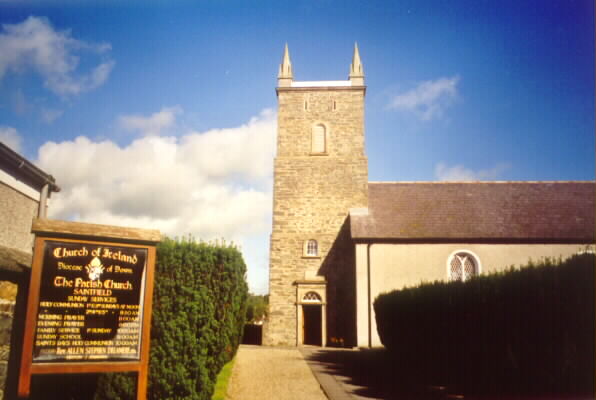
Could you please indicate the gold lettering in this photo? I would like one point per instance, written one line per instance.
(77, 298)
(110, 284)
(50, 316)
(61, 252)
(69, 267)
(74, 323)
(74, 317)
(75, 350)
(49, 323)
(93, 292)
(79, 282)
(68, 330)
(46, 336)
(60, 281)
(118, 255)
(104, 299)
(45, 342)
(122, 270)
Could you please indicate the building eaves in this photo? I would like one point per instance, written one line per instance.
(21, 168)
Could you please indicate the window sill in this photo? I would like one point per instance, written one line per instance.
(318, 154)
(311, 256)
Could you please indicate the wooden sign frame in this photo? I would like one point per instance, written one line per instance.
(92, 235)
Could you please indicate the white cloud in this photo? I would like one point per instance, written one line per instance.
(153, 125)
(429, 99)
(10, 137)
(218, 154)
(460, 173)
(35, 44)
(214, 184)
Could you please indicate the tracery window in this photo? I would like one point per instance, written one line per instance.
(463, 265)
(311, 297)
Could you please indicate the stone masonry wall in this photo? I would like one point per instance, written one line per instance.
(312, 193)
(16, 212)
(6, 322)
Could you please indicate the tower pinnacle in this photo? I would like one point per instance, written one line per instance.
(284, 78)
(356, 68)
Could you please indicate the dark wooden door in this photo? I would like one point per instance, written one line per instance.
(312, 324)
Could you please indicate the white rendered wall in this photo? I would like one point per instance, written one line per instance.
(395, 266)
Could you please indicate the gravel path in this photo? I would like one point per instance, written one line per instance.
(272, 373)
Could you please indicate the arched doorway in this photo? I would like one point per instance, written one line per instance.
(312, 319)
(311, 316)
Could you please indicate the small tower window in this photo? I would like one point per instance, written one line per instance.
(305, 105)
(312, 248)
(319, 139)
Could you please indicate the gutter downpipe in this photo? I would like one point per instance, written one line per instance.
(369, 294)
(43, 199)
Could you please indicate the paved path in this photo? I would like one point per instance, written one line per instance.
(340, 372)
(272, 373)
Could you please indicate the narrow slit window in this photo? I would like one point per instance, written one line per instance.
(319, 144)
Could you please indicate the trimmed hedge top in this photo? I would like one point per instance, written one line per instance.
(522, 330)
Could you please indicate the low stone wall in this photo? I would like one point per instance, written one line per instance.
(6, 320)
(15, 268)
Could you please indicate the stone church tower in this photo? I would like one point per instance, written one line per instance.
(320, 173)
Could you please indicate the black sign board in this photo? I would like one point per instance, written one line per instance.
(90, 303)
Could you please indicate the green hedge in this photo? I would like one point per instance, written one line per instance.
(524, 330)
(199, 307)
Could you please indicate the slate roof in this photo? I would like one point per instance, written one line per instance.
(491, 211)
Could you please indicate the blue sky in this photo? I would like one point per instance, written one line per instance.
(162, 114)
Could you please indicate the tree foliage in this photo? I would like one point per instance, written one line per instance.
(199, 307)
(257, 307)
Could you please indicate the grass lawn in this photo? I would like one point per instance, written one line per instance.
(223, 378)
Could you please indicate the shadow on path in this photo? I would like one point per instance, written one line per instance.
(366, 373)
(372, 374)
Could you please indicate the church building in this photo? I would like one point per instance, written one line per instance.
(338, 240)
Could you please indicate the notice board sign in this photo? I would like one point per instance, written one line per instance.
(89, 305)
(90, 302)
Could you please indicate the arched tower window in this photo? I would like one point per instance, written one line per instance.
(319, 139)
(312, 248)
(462, 265)
(311, 297)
